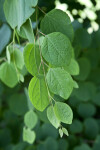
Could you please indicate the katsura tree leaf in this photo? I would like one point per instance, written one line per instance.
(76, 127)
(85, 68)
(18, 104)
(8, 74)
(56, 49)
(30, 119)
(28, 135)
(61, 132)
(82, 147)
(52, 117)
(17, 58)
(86, 110)
(63, 112)
(89, 125)
(2, 16)
(38, 93)
(96, 99)
(65, 131)
(57, 21)
(49, 131)
(60, 82)
(86, 91)
(18, 11)
(73, 67)
(32, 59)
(5, 34)
(26, 31)
(75, 85)
(83, 38)
(96, 144)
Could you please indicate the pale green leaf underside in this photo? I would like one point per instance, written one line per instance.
(63, 112)
(38, 93)
(15, 56)
(60, 82)
(30, 119)
(28, 135)
(32, 59)
(18, 11)
(57, 21)
(61, 132)
(8, 74)
(52, 117)
(26, 31)
(65, 131)
(56, 49)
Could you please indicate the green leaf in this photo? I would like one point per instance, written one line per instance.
(18, 11)
(28, 135)
(86, 91)
(96, 99)
(5, 34)
(96, 144)
(73, 67)
(49, 131)
(63, 112)
(38, 93)
(85, 69)
(8, 74)
(32, 59)
(61, 133)
(26, 31)
(56, 49)
(65, 131)
(83, 38)
(82, 147)
(30, 119)
(59, 82)
(18, 104)
(52, 117)
(57, 21)
(76, 127)
(86, 110)
(17, 58)
(75, 85)
(91, 128)
(2, 16)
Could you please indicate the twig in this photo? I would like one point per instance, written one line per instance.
(41, 10)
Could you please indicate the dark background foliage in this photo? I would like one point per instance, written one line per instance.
(84, 133)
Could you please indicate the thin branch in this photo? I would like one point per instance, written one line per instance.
(41, 10)
(42, 33)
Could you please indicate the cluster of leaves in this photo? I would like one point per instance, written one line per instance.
(51, 59)
(50, 62)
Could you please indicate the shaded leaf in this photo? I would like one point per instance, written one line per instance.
(8, 74)
(50, 23)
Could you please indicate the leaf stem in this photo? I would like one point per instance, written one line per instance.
(42, 33)
(41, 10)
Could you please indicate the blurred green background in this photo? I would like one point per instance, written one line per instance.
(84, 133)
